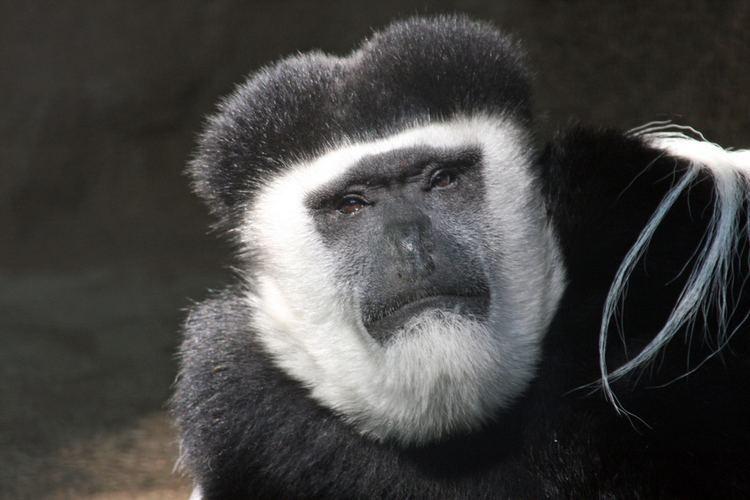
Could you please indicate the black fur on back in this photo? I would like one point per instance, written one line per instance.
(414, 70)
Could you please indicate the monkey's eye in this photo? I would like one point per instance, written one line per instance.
(442, 179)
(351, 203)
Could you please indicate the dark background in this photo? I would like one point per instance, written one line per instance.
(102, 245)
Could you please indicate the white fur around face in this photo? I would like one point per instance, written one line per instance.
(447, 373)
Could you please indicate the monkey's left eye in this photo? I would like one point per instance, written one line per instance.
(351, 203)
(442, 179)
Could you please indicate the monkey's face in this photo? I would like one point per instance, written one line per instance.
(405, 229)
(408, 281)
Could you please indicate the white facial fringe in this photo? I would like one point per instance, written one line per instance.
(712, 272)
(449, 373)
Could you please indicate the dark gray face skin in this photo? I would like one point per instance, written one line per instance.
(406, 227)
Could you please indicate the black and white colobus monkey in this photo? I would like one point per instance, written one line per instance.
(422, 292)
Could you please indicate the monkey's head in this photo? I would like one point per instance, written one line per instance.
(398, 259)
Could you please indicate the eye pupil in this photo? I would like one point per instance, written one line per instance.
(351, 204)
(442, 179)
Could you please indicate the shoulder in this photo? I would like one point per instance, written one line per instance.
(245, 425)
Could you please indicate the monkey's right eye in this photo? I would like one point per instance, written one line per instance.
(351, 203)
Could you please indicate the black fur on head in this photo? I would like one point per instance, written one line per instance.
(410, 72)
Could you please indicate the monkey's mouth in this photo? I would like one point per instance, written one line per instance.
(384, 321)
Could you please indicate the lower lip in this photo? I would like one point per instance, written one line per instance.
(476, 306)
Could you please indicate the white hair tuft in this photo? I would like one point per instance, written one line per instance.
(706, 284)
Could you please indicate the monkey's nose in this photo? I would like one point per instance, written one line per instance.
(411, 245)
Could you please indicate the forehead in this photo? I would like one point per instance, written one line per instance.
(394, 166)
(494, 138)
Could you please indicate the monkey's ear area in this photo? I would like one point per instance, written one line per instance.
(413, 72)
(279, 115)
